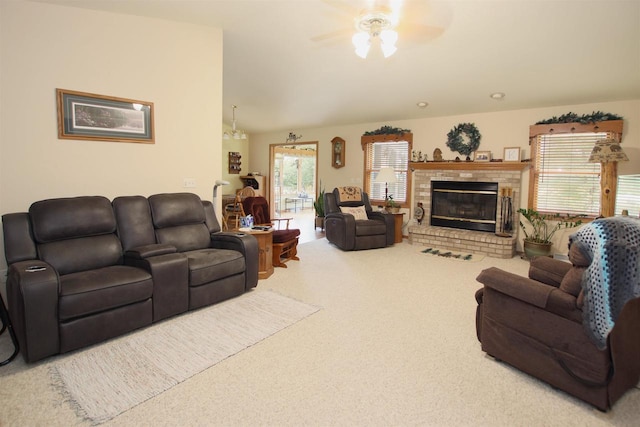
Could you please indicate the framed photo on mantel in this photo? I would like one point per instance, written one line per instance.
(511, 154)
(483, 156)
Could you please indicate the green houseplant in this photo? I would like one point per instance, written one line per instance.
(318, 205)
(540, 228)
(391, 205)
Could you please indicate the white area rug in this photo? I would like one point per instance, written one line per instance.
(104, 381)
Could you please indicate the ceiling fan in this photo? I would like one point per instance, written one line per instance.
(383, 21)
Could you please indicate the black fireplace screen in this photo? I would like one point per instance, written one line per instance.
(466, 205)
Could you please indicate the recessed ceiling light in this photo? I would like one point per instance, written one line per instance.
(498, 96)
(422, 104)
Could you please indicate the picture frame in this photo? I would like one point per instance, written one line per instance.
(483, 156)
(90, 116)
(511, 154)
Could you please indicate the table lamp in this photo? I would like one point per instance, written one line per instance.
(218, 183)
(608, 153)
(386, 175)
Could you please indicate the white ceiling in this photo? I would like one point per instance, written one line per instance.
(540, 53)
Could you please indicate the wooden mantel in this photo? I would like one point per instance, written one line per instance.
(479, 166)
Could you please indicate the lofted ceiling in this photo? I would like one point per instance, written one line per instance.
(289, 64)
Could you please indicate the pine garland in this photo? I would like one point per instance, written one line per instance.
(596, 116)
(387, 130)
(456, 143)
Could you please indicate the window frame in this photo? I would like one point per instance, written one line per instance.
(608, 173)
(369, 170)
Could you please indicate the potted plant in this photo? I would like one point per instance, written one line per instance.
(537, 238)
(318, 205)
(390, 205)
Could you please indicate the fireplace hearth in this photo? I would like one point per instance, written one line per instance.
(465, 205)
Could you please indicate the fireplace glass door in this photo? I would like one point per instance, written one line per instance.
(465, 205)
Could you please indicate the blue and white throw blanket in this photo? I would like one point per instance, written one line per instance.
(612, 278)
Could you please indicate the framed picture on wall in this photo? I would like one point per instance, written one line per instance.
(104, 118)
(483, 156)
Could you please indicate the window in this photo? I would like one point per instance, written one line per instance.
(628, 196)
(394, 154)
(563, 180)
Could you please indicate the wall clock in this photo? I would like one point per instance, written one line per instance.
(511, 154)
(337, 152)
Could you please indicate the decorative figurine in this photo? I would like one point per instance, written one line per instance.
(437, 155)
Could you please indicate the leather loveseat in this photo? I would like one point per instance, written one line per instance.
(82, 270)
(540, 324)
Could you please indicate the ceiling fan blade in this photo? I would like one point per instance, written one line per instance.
(343, 6)
(417, 33)
(344, 32)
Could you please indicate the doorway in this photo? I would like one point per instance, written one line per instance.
(294, 183)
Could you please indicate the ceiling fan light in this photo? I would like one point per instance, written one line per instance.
(362, 43)
(389, 37)
(360, 40)
(362, 51)
(226, 135)
(388, 49)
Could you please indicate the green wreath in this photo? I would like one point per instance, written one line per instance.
(456, 143)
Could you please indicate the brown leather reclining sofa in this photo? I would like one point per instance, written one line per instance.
(82, 270)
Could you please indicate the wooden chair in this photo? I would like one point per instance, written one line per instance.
(285, 239)
(234, 211)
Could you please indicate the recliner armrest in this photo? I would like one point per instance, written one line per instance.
(521, 288)
(245, 244)
(170, 273)
(390, 223)
(147, 251)
(548, 270)
(32, 297)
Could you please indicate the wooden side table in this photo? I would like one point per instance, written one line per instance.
(265, 251)
(398, 217)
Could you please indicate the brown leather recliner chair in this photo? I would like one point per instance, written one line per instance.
(536, 325)
(351, 224)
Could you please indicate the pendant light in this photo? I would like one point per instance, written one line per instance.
(235, 134)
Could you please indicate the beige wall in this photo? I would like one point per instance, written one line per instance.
(176, 66)
(498, 130)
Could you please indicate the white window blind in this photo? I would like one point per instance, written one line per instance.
(394, 154)
(564, 180)
(628, 195)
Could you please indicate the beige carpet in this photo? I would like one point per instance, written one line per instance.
(394, 344)
(107, 379)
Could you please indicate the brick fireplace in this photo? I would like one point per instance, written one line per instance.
(507, 175)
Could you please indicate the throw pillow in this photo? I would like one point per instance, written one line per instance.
(349, 194)
(358, 212)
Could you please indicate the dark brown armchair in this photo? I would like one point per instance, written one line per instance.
(351, 224)
(537, 325)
